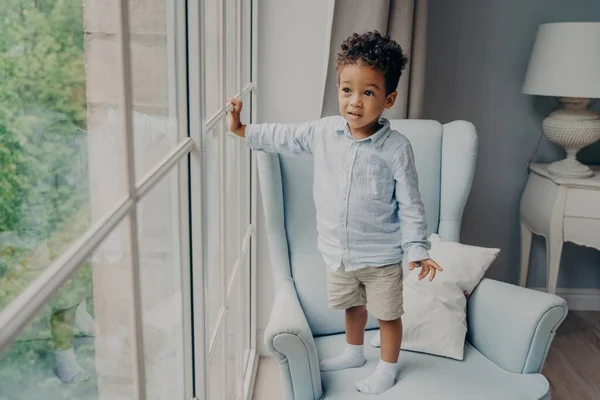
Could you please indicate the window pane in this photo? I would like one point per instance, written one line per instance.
(234, 201)
(247, 41)
(213, 75)
(245, 203)
(90, 317)
(234, 338)
(211, 225)
(231, 85)
(60, 159)
(232, 143)
(216, 382)
(154, 61)
(162, 279)
(154, 58)
(245, 311)
(82, 334)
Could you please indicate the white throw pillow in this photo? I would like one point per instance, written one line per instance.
(435, 320)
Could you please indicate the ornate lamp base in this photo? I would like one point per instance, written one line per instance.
(573, 128)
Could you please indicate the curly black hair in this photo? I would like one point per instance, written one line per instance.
(376, 51)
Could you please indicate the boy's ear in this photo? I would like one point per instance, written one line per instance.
(391, 99)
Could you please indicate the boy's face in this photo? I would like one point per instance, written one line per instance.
(362, 98)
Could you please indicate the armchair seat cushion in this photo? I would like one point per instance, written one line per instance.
(427, 377)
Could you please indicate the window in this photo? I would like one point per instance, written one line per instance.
(227, 225)
(126, 236)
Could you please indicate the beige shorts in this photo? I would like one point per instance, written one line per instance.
(379, 288)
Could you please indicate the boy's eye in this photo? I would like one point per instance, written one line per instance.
(369, 93)
(346, 90)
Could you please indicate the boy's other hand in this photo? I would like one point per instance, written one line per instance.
(233, 120)
(428, 267)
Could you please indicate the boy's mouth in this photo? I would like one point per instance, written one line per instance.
(355, 115)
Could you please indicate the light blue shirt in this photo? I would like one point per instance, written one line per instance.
(369, 209)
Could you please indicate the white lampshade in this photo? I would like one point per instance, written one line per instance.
(565, 61)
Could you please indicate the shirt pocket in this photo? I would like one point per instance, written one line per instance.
(377, 180)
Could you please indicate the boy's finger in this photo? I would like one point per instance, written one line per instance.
(435, 265)
(432, 275)
(411, 266)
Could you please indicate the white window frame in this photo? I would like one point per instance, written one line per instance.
(28, 303)
(185, 155)
(201, 124)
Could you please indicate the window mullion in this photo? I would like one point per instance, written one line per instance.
(137, 337)
(222, 195)
(253, 180)
(240, 341)
(197, 98)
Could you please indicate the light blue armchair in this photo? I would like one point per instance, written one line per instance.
(510, 328)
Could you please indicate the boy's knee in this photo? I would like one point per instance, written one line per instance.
(390, 322)
(356, 311)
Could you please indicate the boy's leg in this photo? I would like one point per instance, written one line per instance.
(347, 293)
(67, 367)
(384, 296)
(391, 339)
(61, 324)
(356, 321)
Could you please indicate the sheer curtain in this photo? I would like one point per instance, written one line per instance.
(406, 22)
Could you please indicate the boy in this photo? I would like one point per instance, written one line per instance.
(369, 210)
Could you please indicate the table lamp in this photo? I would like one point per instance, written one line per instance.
(565, 63)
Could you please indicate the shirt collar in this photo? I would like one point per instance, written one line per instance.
(377, 138)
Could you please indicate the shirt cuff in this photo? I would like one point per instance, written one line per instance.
(417, 253)
(251, 135)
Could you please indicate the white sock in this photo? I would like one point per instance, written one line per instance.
(67, 367)
(352, 357)
(382, 379)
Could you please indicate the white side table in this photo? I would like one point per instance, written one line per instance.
(561, 210)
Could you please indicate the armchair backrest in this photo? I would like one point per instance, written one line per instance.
(445, 157)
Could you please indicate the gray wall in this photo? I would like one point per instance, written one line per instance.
(476, 60)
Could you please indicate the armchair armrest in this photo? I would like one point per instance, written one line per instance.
(289, 338)
(513, 326)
